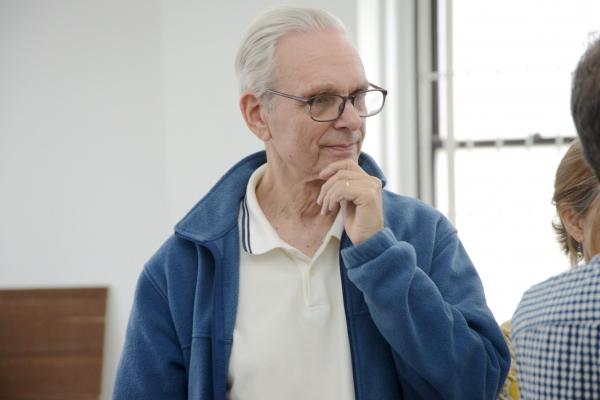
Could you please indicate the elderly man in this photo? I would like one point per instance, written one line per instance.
(556, 326)
(297, 276)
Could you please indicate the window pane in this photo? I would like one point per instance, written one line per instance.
(503, 217)
(514, 104)
(512, 65)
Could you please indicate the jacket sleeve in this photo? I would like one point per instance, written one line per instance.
(446, 342)
(152, 364)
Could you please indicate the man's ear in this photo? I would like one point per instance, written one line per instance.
(251, 109)
(573, 223)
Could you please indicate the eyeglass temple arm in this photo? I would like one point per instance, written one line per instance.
(378, 88)
(289, 96)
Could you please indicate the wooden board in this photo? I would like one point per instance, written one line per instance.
(51, 343)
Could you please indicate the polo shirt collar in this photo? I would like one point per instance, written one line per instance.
(258, 236)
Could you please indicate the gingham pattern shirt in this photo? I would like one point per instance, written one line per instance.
(555, 334)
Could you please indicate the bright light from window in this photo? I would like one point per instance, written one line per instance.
(512, 65)
(513, 62)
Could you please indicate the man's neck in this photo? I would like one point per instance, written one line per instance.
(290, 206)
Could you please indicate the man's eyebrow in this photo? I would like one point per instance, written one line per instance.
(329, 89)
(364, 86)
(319, 89)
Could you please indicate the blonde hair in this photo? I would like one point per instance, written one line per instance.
(576, 188)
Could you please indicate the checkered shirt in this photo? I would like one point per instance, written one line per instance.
(556, 336)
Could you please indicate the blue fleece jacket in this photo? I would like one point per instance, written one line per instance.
(418, 323)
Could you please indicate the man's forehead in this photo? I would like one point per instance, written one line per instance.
(309, 44)
(328, 87)
(320, 61)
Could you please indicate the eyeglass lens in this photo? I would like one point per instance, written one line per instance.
(329, 107)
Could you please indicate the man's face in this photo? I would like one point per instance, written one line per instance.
(309, 64)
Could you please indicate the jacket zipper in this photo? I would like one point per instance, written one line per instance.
(219, 391)
(349, 325)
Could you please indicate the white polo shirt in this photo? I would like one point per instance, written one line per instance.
(290, 339)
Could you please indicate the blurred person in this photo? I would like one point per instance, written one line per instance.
(298, 276)
(556, 326)
(576, 198)
(510, 390)
(585, 103)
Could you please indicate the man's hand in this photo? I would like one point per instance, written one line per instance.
(358, 194)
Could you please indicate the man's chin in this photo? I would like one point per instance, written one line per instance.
(343, 152)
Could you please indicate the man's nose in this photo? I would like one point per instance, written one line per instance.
(349, 118)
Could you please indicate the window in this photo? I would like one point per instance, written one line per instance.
(483, 146)
(504, 124)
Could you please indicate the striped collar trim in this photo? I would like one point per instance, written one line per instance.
(257, 234)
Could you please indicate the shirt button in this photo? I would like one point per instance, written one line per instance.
(312, 272)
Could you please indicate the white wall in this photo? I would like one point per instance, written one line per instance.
(82, 138)
(115, 118)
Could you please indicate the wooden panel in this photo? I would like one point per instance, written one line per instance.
(51, 343)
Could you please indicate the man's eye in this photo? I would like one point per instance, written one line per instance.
(318, 100)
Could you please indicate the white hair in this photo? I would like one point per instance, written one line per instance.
(255, 62)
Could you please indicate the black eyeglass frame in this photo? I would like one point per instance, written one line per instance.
(345, 99)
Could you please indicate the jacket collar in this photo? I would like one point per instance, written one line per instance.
(211, 217)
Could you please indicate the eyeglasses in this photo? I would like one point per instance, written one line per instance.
(329, 107)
